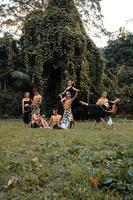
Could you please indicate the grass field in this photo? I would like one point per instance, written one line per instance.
(58, 165)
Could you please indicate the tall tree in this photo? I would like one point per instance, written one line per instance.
(56, 47)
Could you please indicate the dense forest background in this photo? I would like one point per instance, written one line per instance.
(54, 47)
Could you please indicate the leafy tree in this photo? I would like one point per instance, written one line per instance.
(119, 56)
(14, 13)
(9, 59)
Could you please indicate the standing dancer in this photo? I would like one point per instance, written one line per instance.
(26, 108)
(102, 112)
(67, 116)
(37, 100)
(70, 88)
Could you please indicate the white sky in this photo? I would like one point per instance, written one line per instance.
(116, 13)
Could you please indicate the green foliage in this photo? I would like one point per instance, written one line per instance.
(8, 55)
(10, 90)
(10, 104)
(119, 55)
(10, 59)
(97, 66)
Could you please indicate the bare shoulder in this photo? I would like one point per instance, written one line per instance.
(23, 99)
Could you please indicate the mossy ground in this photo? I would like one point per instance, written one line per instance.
(56, 164)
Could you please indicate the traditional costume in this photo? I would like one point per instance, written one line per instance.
(67, 116)
(101, 112)
(27, 111)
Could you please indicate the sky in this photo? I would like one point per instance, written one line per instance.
(116, 14)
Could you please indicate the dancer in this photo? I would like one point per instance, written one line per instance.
(26, 108)
(110, 108)
(70, 88)
(55, 119)
(37, 101)
(101, 101)
(38, 121)
(102, 112)
(67, 116)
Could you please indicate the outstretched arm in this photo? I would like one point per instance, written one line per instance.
(75, 89)
(83, 103)
(63, 93)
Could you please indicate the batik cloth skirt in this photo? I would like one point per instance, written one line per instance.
(107, 119)
(67, 117)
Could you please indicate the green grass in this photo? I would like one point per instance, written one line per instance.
(57, 164)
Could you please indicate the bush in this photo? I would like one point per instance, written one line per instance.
(10, 104)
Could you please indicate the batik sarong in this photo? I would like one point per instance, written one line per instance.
(108, 120)
(67, 117)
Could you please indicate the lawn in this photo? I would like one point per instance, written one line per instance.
(77, 164)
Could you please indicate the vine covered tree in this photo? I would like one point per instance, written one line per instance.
(56, 47)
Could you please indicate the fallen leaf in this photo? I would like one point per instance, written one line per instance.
(10, 182)
(94, 181)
